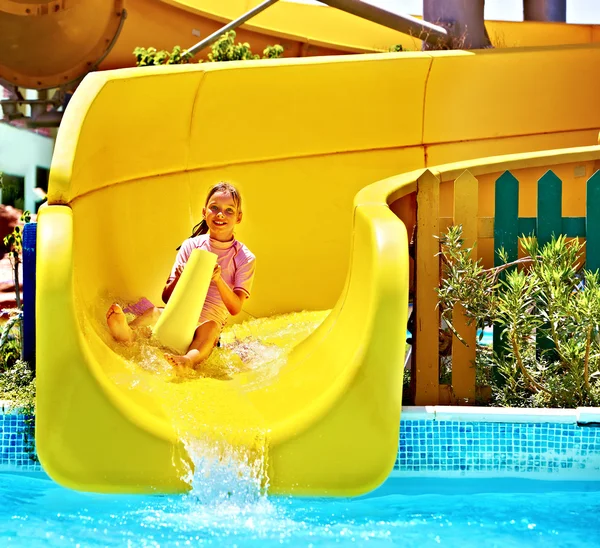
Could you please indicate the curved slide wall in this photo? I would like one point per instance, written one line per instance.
(300, 138)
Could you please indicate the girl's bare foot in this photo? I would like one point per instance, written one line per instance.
(180, 362)
(117, 324)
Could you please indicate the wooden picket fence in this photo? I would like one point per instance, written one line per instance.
(505, 228)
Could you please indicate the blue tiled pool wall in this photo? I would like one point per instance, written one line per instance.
(543, 450)
(433, 447)
(14, 450)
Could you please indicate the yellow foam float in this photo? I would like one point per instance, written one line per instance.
(176, 325)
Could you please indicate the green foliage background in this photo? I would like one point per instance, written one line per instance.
(224, 49)
(547, 307)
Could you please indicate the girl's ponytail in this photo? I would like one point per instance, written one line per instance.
(200, 228)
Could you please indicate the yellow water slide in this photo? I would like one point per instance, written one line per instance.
(135, 154)
(47, 43)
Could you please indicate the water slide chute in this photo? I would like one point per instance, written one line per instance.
(125, 190)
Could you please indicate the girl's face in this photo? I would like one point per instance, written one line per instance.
(221, 214)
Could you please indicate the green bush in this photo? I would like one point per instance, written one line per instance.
(17, 384)
(17, 379)
(548, 309)
(151, 57)
(224, 49)
(10, 341)
(13, 329)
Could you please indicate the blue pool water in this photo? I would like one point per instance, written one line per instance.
(411, 512)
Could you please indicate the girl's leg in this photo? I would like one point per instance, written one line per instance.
(148, 318)
(123, 332)
(205, 339)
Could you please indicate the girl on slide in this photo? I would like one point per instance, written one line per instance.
(230, 286)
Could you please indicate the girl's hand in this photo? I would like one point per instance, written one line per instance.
(216, 273)
(178, 271)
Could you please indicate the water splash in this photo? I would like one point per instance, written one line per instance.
(259, 346)
(223, 434)
(225, 473)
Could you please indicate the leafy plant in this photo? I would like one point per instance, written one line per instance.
(14, 243)
(548, 309)
(152, 57)
(17, 380)
(273, 52)
(224, 49)
(11, 336)
(17, 384)
(10, 341)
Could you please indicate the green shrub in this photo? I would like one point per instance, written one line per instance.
(224, 49)
(273, 52)
(10, 341)
(151, 57)
(548, 311)
(17, 379)
(13, 329)
(17, 384)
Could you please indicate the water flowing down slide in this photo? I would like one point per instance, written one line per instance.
(135, 155)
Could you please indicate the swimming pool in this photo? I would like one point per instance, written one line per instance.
(463, 477)
(36, 512)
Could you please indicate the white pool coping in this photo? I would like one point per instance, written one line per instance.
(580, 415)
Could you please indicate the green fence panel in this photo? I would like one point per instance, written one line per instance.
(506, 233)
(508, 227)
(506, 222)
(574, 227)
(548, 224)
(549, 208)
(592, 223)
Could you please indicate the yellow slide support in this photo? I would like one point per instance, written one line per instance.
(47, 44)
(135, 155)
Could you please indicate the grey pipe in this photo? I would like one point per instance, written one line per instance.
(230, 26)
(422, 30)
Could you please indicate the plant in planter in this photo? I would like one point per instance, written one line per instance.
(14, 243)
(147, 57)
(17, 380)
(17, 384)
(548, 309)
(224, 49)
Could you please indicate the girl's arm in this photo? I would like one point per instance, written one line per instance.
(233, 300)
(183, 255)
(170, 285)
